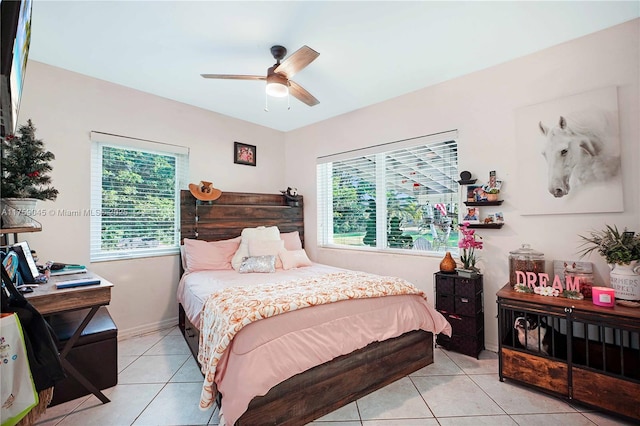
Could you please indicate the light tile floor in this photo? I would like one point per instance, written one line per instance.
(159, 384)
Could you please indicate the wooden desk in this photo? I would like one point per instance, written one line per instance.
(47, 299)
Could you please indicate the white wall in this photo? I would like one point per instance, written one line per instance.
(481, 106)
(65, 107)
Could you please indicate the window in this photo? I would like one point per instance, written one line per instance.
(396, 196)
(135, 197)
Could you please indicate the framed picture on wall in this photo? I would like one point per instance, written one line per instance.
(244, 154)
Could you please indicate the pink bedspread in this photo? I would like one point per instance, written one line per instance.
(267, 352)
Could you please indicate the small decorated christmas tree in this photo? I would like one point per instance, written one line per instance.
(25, 166)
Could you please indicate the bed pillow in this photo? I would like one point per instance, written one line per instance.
(265, 264)
(294, 259)
(267, 248)
(183, 258)
(291, 240)
(248, 234)
(209, 255)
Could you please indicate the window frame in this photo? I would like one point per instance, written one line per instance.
(99, 141)
(325, 193)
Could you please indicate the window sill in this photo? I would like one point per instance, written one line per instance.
(420, 253)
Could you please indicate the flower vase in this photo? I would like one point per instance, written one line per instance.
(448, 265)
(625, 280)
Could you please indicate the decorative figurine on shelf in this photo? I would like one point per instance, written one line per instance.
(291, 196)
(465, 178)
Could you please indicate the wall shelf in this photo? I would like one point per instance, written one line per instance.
(483, 203)
(486, 225)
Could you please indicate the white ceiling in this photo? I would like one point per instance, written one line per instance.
(370, 51)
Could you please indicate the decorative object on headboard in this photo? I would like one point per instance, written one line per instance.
(291, 196)
(205, 191)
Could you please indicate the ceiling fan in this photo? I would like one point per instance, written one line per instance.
(278, 76)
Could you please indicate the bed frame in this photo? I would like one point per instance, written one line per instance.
(329, 386)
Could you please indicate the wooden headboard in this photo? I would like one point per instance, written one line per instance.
(227, 216)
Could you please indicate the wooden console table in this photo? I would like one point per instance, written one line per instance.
(48, 299)
(592, 355)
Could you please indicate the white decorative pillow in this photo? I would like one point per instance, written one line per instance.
(294, 259)
(264, 264)
(248, 234)
(291, 240)
(267, 248)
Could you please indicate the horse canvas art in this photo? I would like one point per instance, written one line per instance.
(579, 150)
(568, 153)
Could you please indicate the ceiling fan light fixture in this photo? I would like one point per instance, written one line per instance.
(277, 90)
(277, 85)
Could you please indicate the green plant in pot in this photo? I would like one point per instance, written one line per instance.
(24, 177)
(621, 251)
(492, 194)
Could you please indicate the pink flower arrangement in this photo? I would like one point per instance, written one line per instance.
(469, 243)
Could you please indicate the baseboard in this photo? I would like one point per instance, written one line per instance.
(147, 328)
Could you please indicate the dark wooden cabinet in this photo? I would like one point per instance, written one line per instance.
(460, 300)
(578, 350)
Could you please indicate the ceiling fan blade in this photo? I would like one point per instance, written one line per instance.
(235, 76)
(297, 61)
(301, 94)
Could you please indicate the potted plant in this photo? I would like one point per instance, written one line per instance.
(621, 251)
(24, 177)
(492, 194)
(469, 243)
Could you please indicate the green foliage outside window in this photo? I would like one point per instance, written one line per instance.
(138, 199)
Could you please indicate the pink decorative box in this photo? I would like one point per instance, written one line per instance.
(603, 296)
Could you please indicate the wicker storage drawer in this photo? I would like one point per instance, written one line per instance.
(460, 300)
(467, 305)
(469, 326)
(467, 345)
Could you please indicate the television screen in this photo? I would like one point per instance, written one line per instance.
(19, 62)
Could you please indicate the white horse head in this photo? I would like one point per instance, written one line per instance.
(574, 155)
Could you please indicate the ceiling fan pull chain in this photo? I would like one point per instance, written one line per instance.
(288, 100)
(266, 102)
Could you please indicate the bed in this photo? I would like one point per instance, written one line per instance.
(319, 388)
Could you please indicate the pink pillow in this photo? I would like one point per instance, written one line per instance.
(267, 248)
(291, 240)
(209, 255)
(294, 259)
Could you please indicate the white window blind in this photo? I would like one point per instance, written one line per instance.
(399, 196)
(135, 197)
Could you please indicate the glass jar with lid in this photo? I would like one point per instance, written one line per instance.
(525, 259)
(582, 275)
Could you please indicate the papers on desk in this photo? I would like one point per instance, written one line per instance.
(78, 282)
